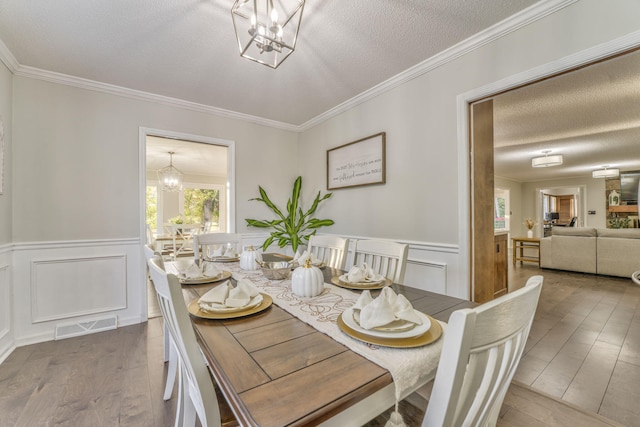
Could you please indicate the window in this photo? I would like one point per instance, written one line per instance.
(204, 204)
(152, 207)
(501, 209)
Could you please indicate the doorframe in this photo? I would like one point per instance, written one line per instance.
(463, 102)
(143, 133)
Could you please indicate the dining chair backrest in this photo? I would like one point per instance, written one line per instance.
(195, 375)
(332, 250)
(204, 244)
(481, 350)
(385, 257)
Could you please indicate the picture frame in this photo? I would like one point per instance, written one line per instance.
(358, 163)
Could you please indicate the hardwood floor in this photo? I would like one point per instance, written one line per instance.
(584, 349)
(584, 346)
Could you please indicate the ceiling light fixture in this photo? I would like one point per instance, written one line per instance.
(547, 160)
(267, 30)
(170, 178)
(606, 173)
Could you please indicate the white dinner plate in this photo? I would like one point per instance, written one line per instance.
(349, 320)
(344, 278)
(221, 308)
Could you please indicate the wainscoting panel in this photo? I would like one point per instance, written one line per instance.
(90, 285)
(6, 334)
(428, 276)
(62, 283)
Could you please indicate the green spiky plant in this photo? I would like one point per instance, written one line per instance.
(296, 226)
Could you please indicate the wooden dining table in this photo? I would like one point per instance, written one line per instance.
(275, 370)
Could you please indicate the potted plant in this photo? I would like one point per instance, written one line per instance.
(292, 226)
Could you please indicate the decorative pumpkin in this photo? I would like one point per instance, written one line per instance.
(249, 259)
(307, 280)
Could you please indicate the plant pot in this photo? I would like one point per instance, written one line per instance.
(530, 234)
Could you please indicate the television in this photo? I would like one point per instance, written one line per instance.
(629, 183)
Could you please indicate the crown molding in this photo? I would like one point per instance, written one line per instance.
(64, 79)
(509, 25)
(513, 23)
(7, 58)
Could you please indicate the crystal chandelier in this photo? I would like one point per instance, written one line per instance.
(170, 178)
(267, 30)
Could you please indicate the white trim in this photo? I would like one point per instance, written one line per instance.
(29, 246)
(569, 62)
(7, 58)
(142, 177)
(513, 23)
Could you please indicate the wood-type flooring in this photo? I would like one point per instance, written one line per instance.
(582, 359)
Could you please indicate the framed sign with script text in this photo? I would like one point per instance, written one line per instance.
(357, 163)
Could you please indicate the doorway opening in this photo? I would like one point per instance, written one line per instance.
(205, 198)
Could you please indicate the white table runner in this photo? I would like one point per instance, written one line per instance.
(410, 368)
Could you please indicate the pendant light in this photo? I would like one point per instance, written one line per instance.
(170, 178)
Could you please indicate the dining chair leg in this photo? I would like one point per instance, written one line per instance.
(172, 370)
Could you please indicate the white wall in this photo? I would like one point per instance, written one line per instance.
(420, 201)
(74, 168)
(77, 202)
(6, 324)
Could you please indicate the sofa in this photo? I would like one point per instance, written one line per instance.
(606, 251)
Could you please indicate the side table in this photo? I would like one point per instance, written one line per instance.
(522, 243)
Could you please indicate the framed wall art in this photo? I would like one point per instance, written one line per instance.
(357, 163)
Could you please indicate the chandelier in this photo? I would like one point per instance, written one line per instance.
(547, 160)
(267, 30)
(170, 178)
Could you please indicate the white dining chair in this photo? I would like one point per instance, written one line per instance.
(197, 396)
(332, 250)
(481, 350)
(170, 354)
(204, 244)
(183, 235)
(385, 257)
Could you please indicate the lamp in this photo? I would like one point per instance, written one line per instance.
(606, 173)
(547, 160)
(170, 178)
(267, 30)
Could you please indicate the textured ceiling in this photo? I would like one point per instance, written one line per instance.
(187, 50)
(591, 116)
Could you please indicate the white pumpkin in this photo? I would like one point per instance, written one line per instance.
(307, 280)
(249, 258)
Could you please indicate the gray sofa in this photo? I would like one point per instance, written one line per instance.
(612, 252)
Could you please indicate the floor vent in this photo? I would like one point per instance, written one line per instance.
(84, 328)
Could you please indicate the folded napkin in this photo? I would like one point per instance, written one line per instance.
(301, 259)
(386, 308)
(222, 251)
(364, 273)
(225, 294)
(204, 270)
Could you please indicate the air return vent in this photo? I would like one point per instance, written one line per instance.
(87, 327)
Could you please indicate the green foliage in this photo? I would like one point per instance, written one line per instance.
(152, 206)
(618, 222)
(202, 204)
(296, 226)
